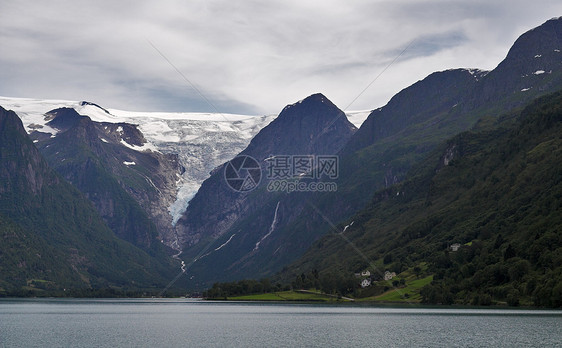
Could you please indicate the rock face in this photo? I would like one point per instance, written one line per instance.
(23, 169)
(131, 189)
(313, 126)
(52, 237)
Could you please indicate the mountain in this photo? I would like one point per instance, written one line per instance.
(418, 118)
(380, 154)
(200, 142)
(124, 161)
(422, 116)
(235, 223)
(481, 215)
(130, 189)
(53, 238)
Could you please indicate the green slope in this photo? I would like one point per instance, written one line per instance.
(496, 190)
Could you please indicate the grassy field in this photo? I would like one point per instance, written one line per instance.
(287, 296)
(404, 294)
(409, 293)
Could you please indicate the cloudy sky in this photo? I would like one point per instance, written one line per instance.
(248, 56)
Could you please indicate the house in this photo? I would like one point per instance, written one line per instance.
(366, 283)
(389, 275)
(365, 274)
(455, 247)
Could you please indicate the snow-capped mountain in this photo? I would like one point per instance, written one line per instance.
(243, 225)
(202, 141)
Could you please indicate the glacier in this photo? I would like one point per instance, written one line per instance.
(202, 141)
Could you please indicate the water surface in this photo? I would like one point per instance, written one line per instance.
(189, 323)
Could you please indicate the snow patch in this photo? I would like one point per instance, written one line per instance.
(539, 72)
(476, 72)
(538, 55)
(32, 111)
(129, 163)
(145, 147)
(525, 89)
(105, 141)
(358, 117)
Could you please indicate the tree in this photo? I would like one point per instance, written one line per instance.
(509, 252)
(387, 259)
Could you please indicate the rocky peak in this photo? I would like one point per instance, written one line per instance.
(313, 125)
(63, 119)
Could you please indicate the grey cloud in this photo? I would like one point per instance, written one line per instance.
(247, 56)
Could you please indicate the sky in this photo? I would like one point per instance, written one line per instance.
(247, 56)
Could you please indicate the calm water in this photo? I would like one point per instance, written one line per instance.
(187, 323)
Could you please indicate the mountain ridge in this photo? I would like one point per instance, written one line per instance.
(53, 238)
(493, 192)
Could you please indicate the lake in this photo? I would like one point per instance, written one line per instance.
(193, 323)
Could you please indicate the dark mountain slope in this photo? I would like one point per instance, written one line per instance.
(129, 188)
(533, 66)
(436, 94)
(422, 116)
(496, 191)
(52, 237)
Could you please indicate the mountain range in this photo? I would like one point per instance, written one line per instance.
(381, 153)
(161, 185)
(480, 216)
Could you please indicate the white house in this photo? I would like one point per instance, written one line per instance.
(455, 247)
(365, 282)
(365, 274)
(389, 275)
